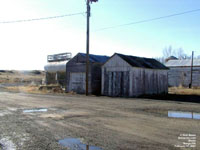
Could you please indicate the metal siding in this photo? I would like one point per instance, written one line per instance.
(180, 76)
(183, 63)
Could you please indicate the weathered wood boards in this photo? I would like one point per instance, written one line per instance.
(121, 78)
(75, 74)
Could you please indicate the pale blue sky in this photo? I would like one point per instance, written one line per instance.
(25, 45)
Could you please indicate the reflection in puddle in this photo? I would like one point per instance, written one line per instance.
(180, 114)
(35, 110)
(6, 144)
(76, 144)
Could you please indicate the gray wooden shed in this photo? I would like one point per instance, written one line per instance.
(130, 76)
(180, 72)
(75, 73)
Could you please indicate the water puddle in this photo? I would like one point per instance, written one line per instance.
(6, 144)
(35, 110)
(180, 114)
(76, 144)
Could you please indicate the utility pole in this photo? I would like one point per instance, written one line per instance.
(88, 45)
(190, 85)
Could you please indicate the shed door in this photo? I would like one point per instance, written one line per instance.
(77, 82)
(119, 83)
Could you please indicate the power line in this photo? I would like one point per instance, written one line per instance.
(39, 19)
(149, 20)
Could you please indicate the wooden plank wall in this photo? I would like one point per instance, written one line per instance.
(148, 81)
(138, 81)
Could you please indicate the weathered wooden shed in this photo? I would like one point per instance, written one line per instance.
(130, 76)
(180, 72)
(76, 73)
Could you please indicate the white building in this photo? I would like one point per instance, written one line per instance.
(180, 72)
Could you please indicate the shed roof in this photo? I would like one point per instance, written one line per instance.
(96, 58)
(142, 62)
(182, 63)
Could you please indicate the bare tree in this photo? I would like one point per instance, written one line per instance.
(168, 51)
(179, 53)
(160, 59)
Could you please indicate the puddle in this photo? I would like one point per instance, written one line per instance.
(180, 114)
(6, 144)
(35, 110)
(76, 144)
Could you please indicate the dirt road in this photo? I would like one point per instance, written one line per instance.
(109, 123)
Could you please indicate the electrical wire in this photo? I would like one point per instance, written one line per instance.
(149, 20)
(39, 19)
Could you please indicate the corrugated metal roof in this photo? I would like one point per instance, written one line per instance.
(142, 62)
(96, 58)
(182, 63)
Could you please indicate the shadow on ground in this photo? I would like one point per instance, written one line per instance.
(174, 97)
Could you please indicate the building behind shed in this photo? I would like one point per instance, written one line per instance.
(180, 72)
(76, 73)
(129, 76)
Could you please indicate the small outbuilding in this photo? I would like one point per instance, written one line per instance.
(76, 74)
(180, 72)
(130, 76)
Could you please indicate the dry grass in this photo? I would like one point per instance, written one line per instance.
(20, 77)
(26, 89)
(22, 81)
(34, 89)
(184, 91)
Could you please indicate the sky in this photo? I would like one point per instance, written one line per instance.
(25, 45)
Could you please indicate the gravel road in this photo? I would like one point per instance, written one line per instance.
(108, 123)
